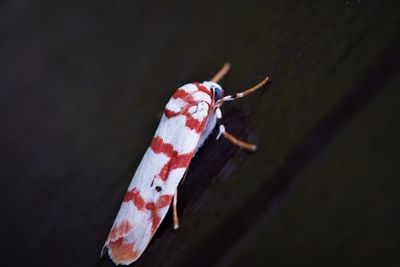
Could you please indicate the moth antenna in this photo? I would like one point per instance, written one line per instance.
(221, 73)
(246, 92)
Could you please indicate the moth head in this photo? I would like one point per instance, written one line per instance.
(215, 89)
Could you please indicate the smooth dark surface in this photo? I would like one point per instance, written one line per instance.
(82, 86)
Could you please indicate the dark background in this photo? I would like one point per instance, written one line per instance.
(82, 87)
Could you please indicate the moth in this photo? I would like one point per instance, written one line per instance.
(188, 119)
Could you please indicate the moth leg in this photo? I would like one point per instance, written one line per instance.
(245, 92)
(234, 140)
(175, 212)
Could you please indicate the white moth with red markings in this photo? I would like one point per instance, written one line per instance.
(189, 118)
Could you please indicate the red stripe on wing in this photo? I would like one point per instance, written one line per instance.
(135, 197)
(203, 89)
(176, 162)
(169, 113)
(162, 202)
(158, 146)
(120, 230)
(185, 96)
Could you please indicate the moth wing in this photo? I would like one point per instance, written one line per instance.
(155, 181)
(186, 96)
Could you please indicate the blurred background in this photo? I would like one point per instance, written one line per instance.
(83, 85)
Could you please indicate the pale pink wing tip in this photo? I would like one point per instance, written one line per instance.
(121, 252)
